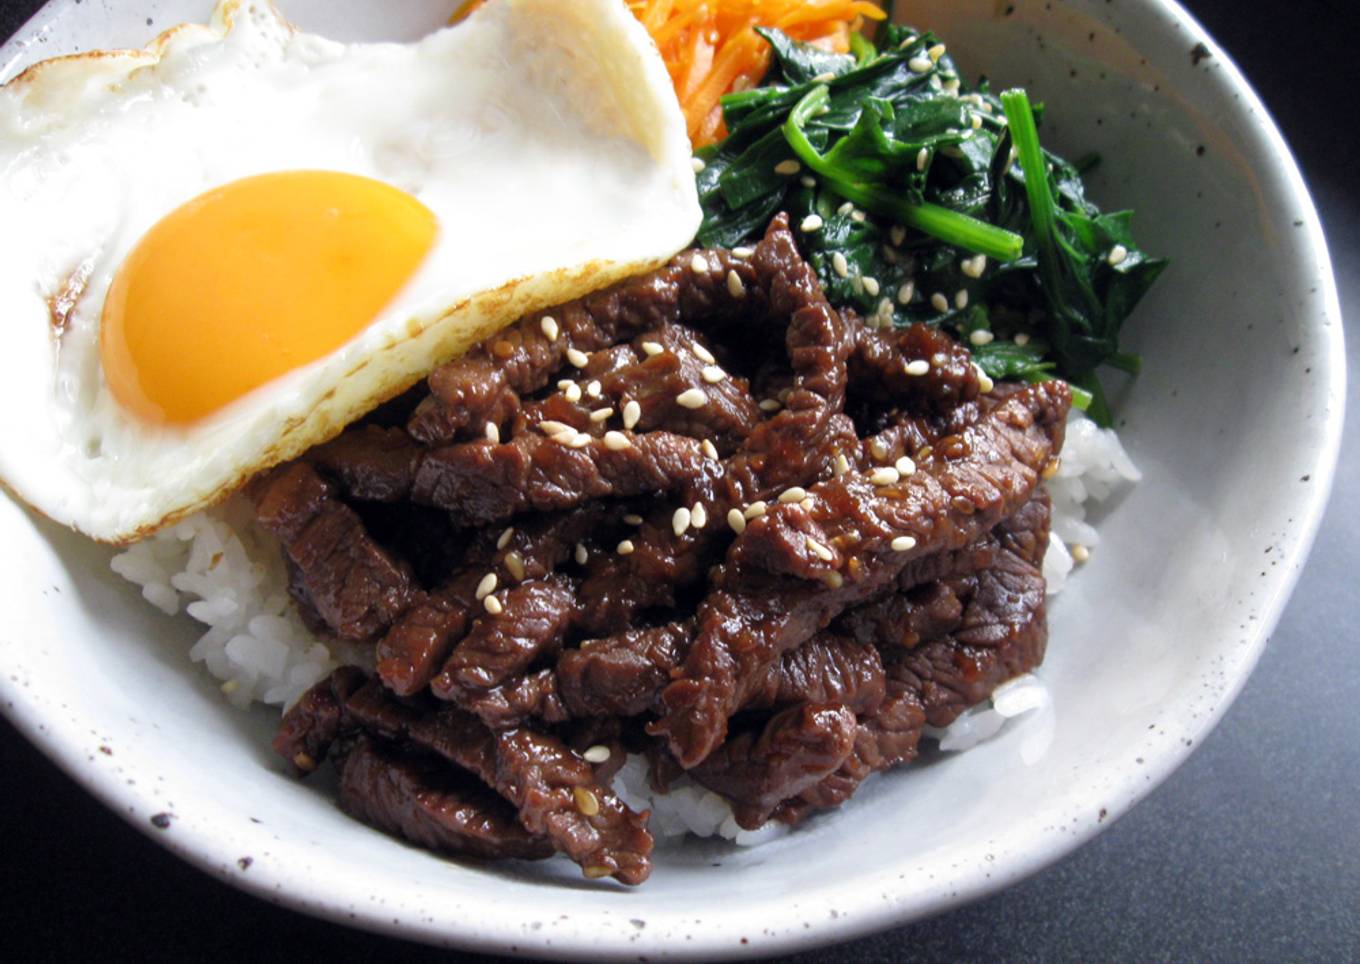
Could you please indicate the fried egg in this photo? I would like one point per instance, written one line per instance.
(218, 251)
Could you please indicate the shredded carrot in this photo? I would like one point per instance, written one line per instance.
(711, 50)
(710, 47)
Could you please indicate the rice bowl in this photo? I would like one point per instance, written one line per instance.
(1146, 680)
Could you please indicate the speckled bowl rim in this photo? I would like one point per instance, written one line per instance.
(872, 913)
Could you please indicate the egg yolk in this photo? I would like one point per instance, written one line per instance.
(253, 280)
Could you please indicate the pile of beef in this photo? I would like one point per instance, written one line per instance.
(701, 515)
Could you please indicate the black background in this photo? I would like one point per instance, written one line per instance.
(1250, 852)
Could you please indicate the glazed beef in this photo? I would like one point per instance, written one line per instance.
(701, 515)
(431, 805)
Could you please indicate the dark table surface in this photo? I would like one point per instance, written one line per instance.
(1251, 851)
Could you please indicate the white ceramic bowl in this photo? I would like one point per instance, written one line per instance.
(1236, 423)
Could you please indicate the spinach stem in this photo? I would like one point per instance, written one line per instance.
(951, 227)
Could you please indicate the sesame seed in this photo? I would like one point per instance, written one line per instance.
(903, 543)
(581, 554)
(1079, 552)
(871, 286)
(596, 754)
(586, 801)
(563, 437)
(698, 164)
(911, 38)
(514, 564)
(833, 580)
(680, 520)
(632, 411)
(595, 871)
(626, 547)
(973, 267)
(936, 52)
(917, 368)
(755, 510)
(616, 441)
(493, 432)
(885, 312)
(703, 354)
(549, 325)
(920, 64)
(824, 78)
(578, 441)
(807, 504)
(505, 538)
(922, 158)
(961, 299)
(878, 449)
(813, 222)
(898, 234)
(652, 348)
(577, 357)
(698, 264)
(905, 292)
(554, 428)
(821, 551)
(976, 121)
(493, 605)
(795, 494)
(788, 168)
(698, 516)
(857, 284)
(735, 288)
(736, 521)
(985, 383)
(939, 302)
(594, 389)
(950, 86)
(1117, 255)
(572, 392)
(564, 383)
(632, 519)
(743, 252)
(845, 208)
(808, 181)
(601, 414)
(884, 476)
(981, 337)
(692, 398)
(709, 449)
(1022, 339)
(905, 466)
(842, 464)
(858, 216)
(713, 374)
(840, 265)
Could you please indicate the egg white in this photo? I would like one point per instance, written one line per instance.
(543, 135)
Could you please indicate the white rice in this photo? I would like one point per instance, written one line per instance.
(227, 573)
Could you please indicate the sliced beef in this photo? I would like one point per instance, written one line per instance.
(751, 619)
(371, 463)
(313, 724)
(531, 622)
(433, 805)
(797, 749)
(485, 384)
(355, 585)
(700, 515)
(482, 482)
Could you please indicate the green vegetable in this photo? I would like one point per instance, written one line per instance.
(926, 212)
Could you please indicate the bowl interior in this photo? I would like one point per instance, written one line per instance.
(1235, 423)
